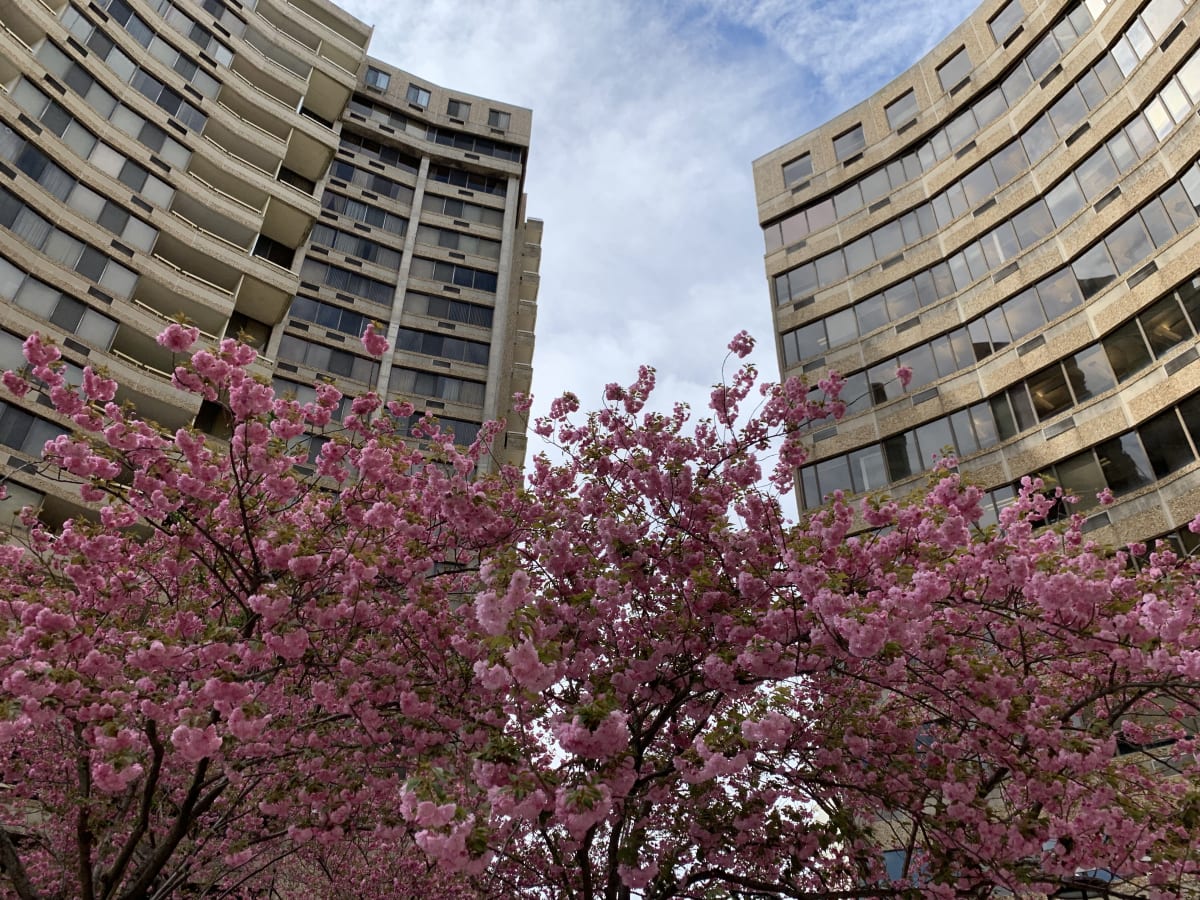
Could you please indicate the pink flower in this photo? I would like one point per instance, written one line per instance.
(741, 345)
(904, 374)
(194, 744)
(375, 344)
(97, 387)
(178, 338)
(16, 384)
(39, 352)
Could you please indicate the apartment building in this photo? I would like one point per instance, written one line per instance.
(247, 166)
(1014, 219)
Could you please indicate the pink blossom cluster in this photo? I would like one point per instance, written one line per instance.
(393, 673)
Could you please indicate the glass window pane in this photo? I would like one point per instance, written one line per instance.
(954, 70)
(808, 487)
(867, 469)
(848, 143)
(1158, 223)
(831, 268)
(979, 184)
(1039, 138)
(1125, 464)
(1068, 111)
(1032, 224)
(847, 201)
(1043, 57)
(1082, 477)
(984, 425)
(1064, 200)
(802, 281)
(1189, 410)
(1006, 424)
(901, 299)
(1094, 270)
(860, 254)
(875, 185)
(1017, 83)
(1049, 392)
(902, 110)
(1165, 325)
(1023, 313)
(902, 456)
(1000, 245)
(871, 313)
(934, 440)
(833, 475)
(1092, 90)
(37, 297)
(981, 343)
(1126, 350)
(1059, 293)
(888, 239)
(1166, 444)
(964, 435)
(841, 327)
(989, 107)
(1009, 162)
(856, 393)
(998, 329)
(1096, 174)
(1089, 373)
(1179, 208)
(920, 360)
(821, 215)
(1189, 296)
(1122, 152)
(885, 385)
(1128, 244)
(797, 170)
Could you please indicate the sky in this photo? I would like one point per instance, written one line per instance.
(646, 118)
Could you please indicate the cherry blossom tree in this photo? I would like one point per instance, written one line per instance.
(378, 673)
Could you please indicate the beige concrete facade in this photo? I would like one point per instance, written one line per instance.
(247, 166)
(1015, 219)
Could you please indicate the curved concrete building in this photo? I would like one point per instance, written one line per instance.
(246, 166)
(1014, 219)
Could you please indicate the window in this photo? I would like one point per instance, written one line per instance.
(954, 70)
(848, 143)
(458, 109)
(1005, 22)
(499, 119)
(797, 170)
(902, 110)
(418, 96)
(377, 79)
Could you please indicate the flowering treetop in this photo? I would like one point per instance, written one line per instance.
(626, 674)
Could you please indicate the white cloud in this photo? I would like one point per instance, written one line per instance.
(849, 48)
(646, 118)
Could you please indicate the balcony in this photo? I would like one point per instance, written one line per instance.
(329, 17)
(222, 180)
(198, 213)
(199, 263)
(163, 306)
(270, 80)
(277, 55)
(233, 142)
(267, 121)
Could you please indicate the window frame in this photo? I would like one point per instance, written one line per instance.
(951, 66)
(844, 149)
(903, 117)
(418, 96)
(377, 79)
